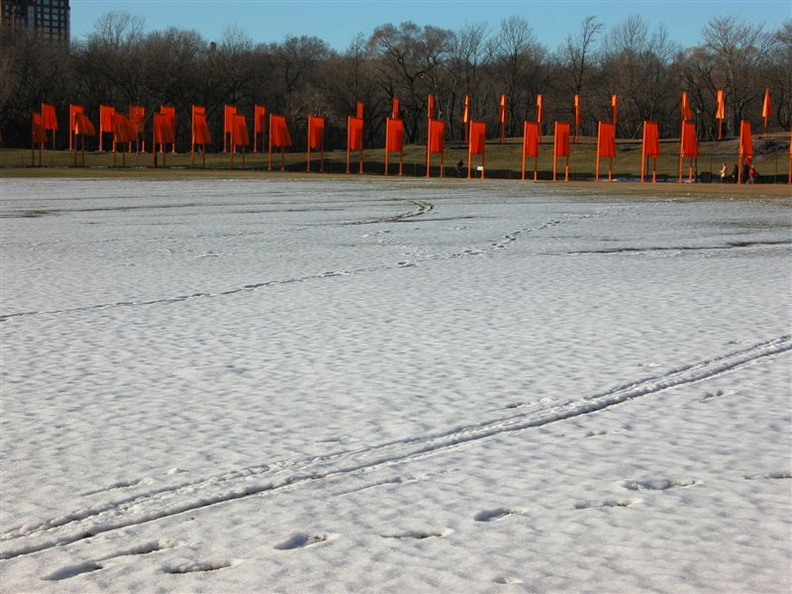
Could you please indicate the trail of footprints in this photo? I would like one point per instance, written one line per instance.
(297, 541)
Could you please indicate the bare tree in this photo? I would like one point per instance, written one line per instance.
(636, 66)
(408, 58)
(518, 60)
(577, 53)
(739, 52)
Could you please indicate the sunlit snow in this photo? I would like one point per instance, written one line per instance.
(392, 385)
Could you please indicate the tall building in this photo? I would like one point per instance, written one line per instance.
(49, 19)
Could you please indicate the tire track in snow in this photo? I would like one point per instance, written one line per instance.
(258, 480)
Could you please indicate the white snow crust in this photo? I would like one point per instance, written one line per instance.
(392, 385)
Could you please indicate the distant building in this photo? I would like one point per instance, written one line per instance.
(48, 19)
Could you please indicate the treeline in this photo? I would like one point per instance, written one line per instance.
(120, 65)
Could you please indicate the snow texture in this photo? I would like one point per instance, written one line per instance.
(392, 385)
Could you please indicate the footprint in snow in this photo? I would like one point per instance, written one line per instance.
(495, 514)
(302, 540)
(186, 566)
(73, 571)
(658, 484)
(605, 503)
(420, 534)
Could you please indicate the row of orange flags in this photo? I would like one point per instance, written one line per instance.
(235, 130)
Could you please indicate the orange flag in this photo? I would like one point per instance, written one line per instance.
(466, 110)
(73, 111)
(38, 133)
(82, 125)
(279, 131)
(316, 125)
(614, 108)
(689, 147)
(48, 118)
(539, 109)
(200, 132)
(576, 105)
(606, 140)
(650, 148)
(137, 116)
(354, 133)
(561, 147)
(359, 110)
(746, 143)
(395, 135)
(478, 138)
(531, 139)
(259, 121)
(767, 107)
(720, 111)
(686, 114)
(164, 132)
(170, 113)
(395, 108)
(436, 136)
(123, 130)
(106, 114)
(430, 107)
(561, 142)
(239, 136)
(651, 140)
(502, 110)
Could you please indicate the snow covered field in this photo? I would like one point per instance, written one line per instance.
(400, 385)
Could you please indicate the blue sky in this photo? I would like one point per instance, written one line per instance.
(338, 21)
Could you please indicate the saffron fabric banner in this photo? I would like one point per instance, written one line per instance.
(82, 125)
(685, 104)
(651, 140)
(395, 108)
(746, 144)
(614, 108)
(430, 107)
(539, 109)
(38, 133)
(689, 147)
(229, 111)
(73, 111)
(279, 132)
(359, 110)
(200, 127)
(436, 136)
(240, 137)
(137, 116)
(576, 106)
(123, 130)
(466, 110)
(316, 125)
(48, 118)
(502, 110)
(354, 133)
(259, 118)
(170, 113)
(531, 139)
(720, 111)
(606, 140)
(561, 148)
(478, 138)
(106, 114)
(164, 132)
(767, 107)
(395, 135)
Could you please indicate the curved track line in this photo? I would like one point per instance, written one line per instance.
(168, 502)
